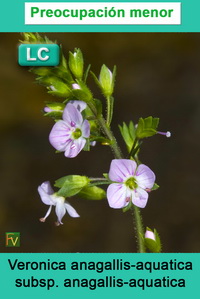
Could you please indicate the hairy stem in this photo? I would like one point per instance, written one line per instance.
(107, 131)
(139, 229)
(110, 101)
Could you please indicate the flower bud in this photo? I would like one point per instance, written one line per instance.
(54, 107)
(56, 86)
(150, 235)
(76, 63)
(106, 80)
(152, 240)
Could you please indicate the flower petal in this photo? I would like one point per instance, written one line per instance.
(150, 235)
(47, 214)
(46, 186)
(60, 210)
(139, 197)
(120, 169)
(85, 128)
(117, 196)
(71, 115)
(60, 135)
(71, 211)
(145, 177)
(45, 192)
(80, 105)
(74, 147)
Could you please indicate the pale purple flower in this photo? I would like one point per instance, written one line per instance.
(69, 135)
(130, 183)
(50, 198)
(150, 235)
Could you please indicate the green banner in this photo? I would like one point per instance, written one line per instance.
(14, 14)
(101, 275)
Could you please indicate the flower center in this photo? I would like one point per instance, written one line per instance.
(77, 133)
(131, 183)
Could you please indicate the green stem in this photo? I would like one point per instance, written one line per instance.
(107, 131)
(110, 101)
(98, 179)
(99, 183)
(139, 229)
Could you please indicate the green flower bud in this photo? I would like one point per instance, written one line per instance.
(54, 106)
(56, 86)
(76, 63)
(106, 80)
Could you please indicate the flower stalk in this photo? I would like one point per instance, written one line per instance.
(138, 228)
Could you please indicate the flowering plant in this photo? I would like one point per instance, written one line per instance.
(80, 122)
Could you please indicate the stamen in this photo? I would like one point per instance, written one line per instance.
(128, 199)
(167, 134)
(148, 189)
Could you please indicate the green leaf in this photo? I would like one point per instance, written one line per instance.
(41, 71)
(95, 79)
(71, 185)
(132, 130)
(155, 187)
(92, 193)
(57, 115)
(128, 134)
(147, 127)
(86, 73)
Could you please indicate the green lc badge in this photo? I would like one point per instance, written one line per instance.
(38, 55)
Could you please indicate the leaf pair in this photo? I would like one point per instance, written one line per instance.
(75, 184)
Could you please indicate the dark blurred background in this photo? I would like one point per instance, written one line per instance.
(157, 74)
